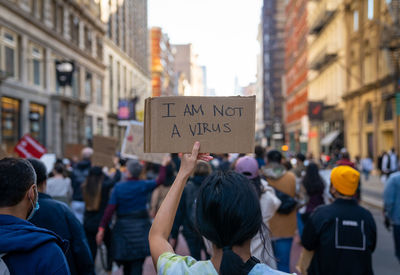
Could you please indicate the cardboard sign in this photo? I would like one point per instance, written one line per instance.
(72, 151)
(104, 149)
(221, 124)
(133, 144)
(28, 147)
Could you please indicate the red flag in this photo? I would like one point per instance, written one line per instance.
(28, 147)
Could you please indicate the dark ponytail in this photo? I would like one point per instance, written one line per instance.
(228, 214)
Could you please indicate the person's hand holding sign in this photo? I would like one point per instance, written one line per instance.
(164, 219)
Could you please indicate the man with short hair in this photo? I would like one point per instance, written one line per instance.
(25, 248)
(57, 217)
(342, 234)
(283, 224)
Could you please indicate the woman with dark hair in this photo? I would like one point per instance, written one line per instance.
(185, 214)
(228, 214)
(314, 187)
(96, 191)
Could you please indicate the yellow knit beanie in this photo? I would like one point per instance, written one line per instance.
(345, 180)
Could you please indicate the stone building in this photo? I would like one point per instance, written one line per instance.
(371, 123)
(34, 35)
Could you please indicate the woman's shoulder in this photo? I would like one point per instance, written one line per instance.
(263, 269)
(170, 263)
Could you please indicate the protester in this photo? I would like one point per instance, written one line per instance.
(185, 215)
(342, 235)
(345, 160)
(228, 214)
(57, 217)
(314, 186)
(224, 164)
(129, 237)
(260, 156)
(161, 191)
(391, 200)
(96, 192)
(283, 223)
(269, 203)
(79, 174)
(366, 167)
(58, 186)
(25, 248)
(300, 168)
(389, 163)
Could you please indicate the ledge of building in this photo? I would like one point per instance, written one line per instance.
(366, 88)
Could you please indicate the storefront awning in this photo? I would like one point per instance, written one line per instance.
(329, 138)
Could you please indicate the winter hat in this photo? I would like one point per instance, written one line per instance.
(345, 180)
(247, 166)
(134, 167)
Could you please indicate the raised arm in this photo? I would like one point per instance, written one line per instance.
(162, 225)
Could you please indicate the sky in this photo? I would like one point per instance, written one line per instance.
(223, 33)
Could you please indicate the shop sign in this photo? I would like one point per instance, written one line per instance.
(28, 147)
(315, 109)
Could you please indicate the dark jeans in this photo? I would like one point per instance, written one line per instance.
(134, 267)
(91, 237)
(396, 235)
(282, 249)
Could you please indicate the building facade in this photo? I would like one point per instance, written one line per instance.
(327, 74)
(372, 125)
(273, 56)
(295, 78)
(127, 74)
(34, 35)
(162, 64)
(189, 75)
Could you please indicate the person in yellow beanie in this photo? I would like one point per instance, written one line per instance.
(342, 235)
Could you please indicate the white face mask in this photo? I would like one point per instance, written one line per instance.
(35, 206)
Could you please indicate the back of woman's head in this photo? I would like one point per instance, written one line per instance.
(59, 168)
(91, 189)
(312, 181)
(228, 214)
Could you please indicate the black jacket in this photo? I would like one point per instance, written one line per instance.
(57, 217)
(79, 175)
(343, 236)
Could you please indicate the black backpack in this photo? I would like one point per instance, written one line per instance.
(288, 203)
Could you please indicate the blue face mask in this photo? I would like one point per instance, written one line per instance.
(35, 207)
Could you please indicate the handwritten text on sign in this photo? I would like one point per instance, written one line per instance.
(211, 120)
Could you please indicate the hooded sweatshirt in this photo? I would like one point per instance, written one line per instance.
(79, 175)
(30, 249)
(282, 225)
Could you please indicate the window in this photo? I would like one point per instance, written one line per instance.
(118, 79)
(355, 21)
(99, 47)
(10, 122)
(58, 20)
(74, 29)
(89, 127)
(111, 82)
(37, 123)
(369, 114)
(388, 111)
(36, 61)
(99, 91)
(8, 52)
(370, 9)
(88, 86)
(117, 27)
(88, 39)
(76, 82)
(99, 127)
(111, 129)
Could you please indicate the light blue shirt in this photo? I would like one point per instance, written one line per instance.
(391, 198)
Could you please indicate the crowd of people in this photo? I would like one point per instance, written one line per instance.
(238, 214)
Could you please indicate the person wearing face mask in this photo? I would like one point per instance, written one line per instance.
(25, 248)
(57, 217)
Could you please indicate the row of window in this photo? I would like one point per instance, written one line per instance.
(10, 54)
(387, 112)
(370, 12)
